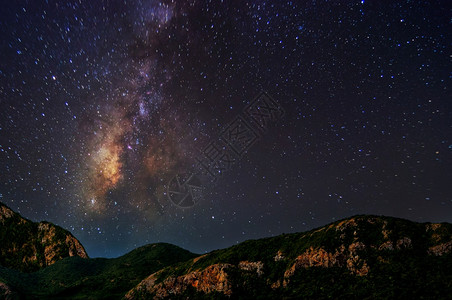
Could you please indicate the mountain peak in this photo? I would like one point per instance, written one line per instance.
(5, 213)
(29, 246)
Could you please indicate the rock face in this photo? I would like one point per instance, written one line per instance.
(6, 293)
(212, 279)
(252, 266)
(442, 245)
(342, 257)
(287, 265)
(441, 249)
(29, 246)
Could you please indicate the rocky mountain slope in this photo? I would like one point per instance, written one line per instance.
(360, 257)
(98, 278)
(29, 246)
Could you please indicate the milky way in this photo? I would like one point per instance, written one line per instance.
(104, 103)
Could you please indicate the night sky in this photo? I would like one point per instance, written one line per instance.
(305, 112)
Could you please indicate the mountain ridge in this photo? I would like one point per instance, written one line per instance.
(348, 252)
(29, 246)
(363, 256)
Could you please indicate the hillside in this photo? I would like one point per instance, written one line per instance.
(99, 278)
(29, 246)
(360, 257)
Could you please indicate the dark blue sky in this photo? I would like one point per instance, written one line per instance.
(102, 103)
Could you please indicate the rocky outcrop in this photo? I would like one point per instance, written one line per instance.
(5, 213)
(441, 249)
(252, 267)
(7, 293)
(343, 225)
(342, 257)
(212, 279)
(279, 256)
(75, 247)
(355, 263)
(54, 245)
(29, 246)
(386, 246)
(441, 238)
(403, 243)
(316, 258)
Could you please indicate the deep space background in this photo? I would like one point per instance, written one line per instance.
(103, 102)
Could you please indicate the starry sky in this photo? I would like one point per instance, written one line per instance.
(118, 118)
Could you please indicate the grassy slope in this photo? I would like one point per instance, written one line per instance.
(97, 278)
